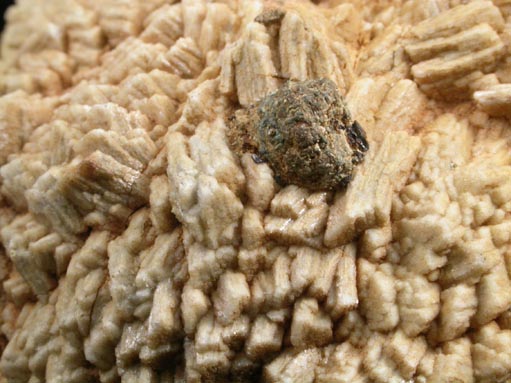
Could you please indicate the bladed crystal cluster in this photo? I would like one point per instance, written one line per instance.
(255, 191)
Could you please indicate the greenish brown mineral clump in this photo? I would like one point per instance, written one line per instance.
(305, 132)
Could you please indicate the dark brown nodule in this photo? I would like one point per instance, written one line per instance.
(305, 132)
(270, 16)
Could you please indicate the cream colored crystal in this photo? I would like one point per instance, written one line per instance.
(455, 48)
(367, 201)
(495, 100)
(135, 245)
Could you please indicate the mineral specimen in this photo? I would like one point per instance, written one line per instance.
(143, 235)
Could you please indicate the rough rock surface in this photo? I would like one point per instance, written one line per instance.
(136, 246)
(305, 132)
